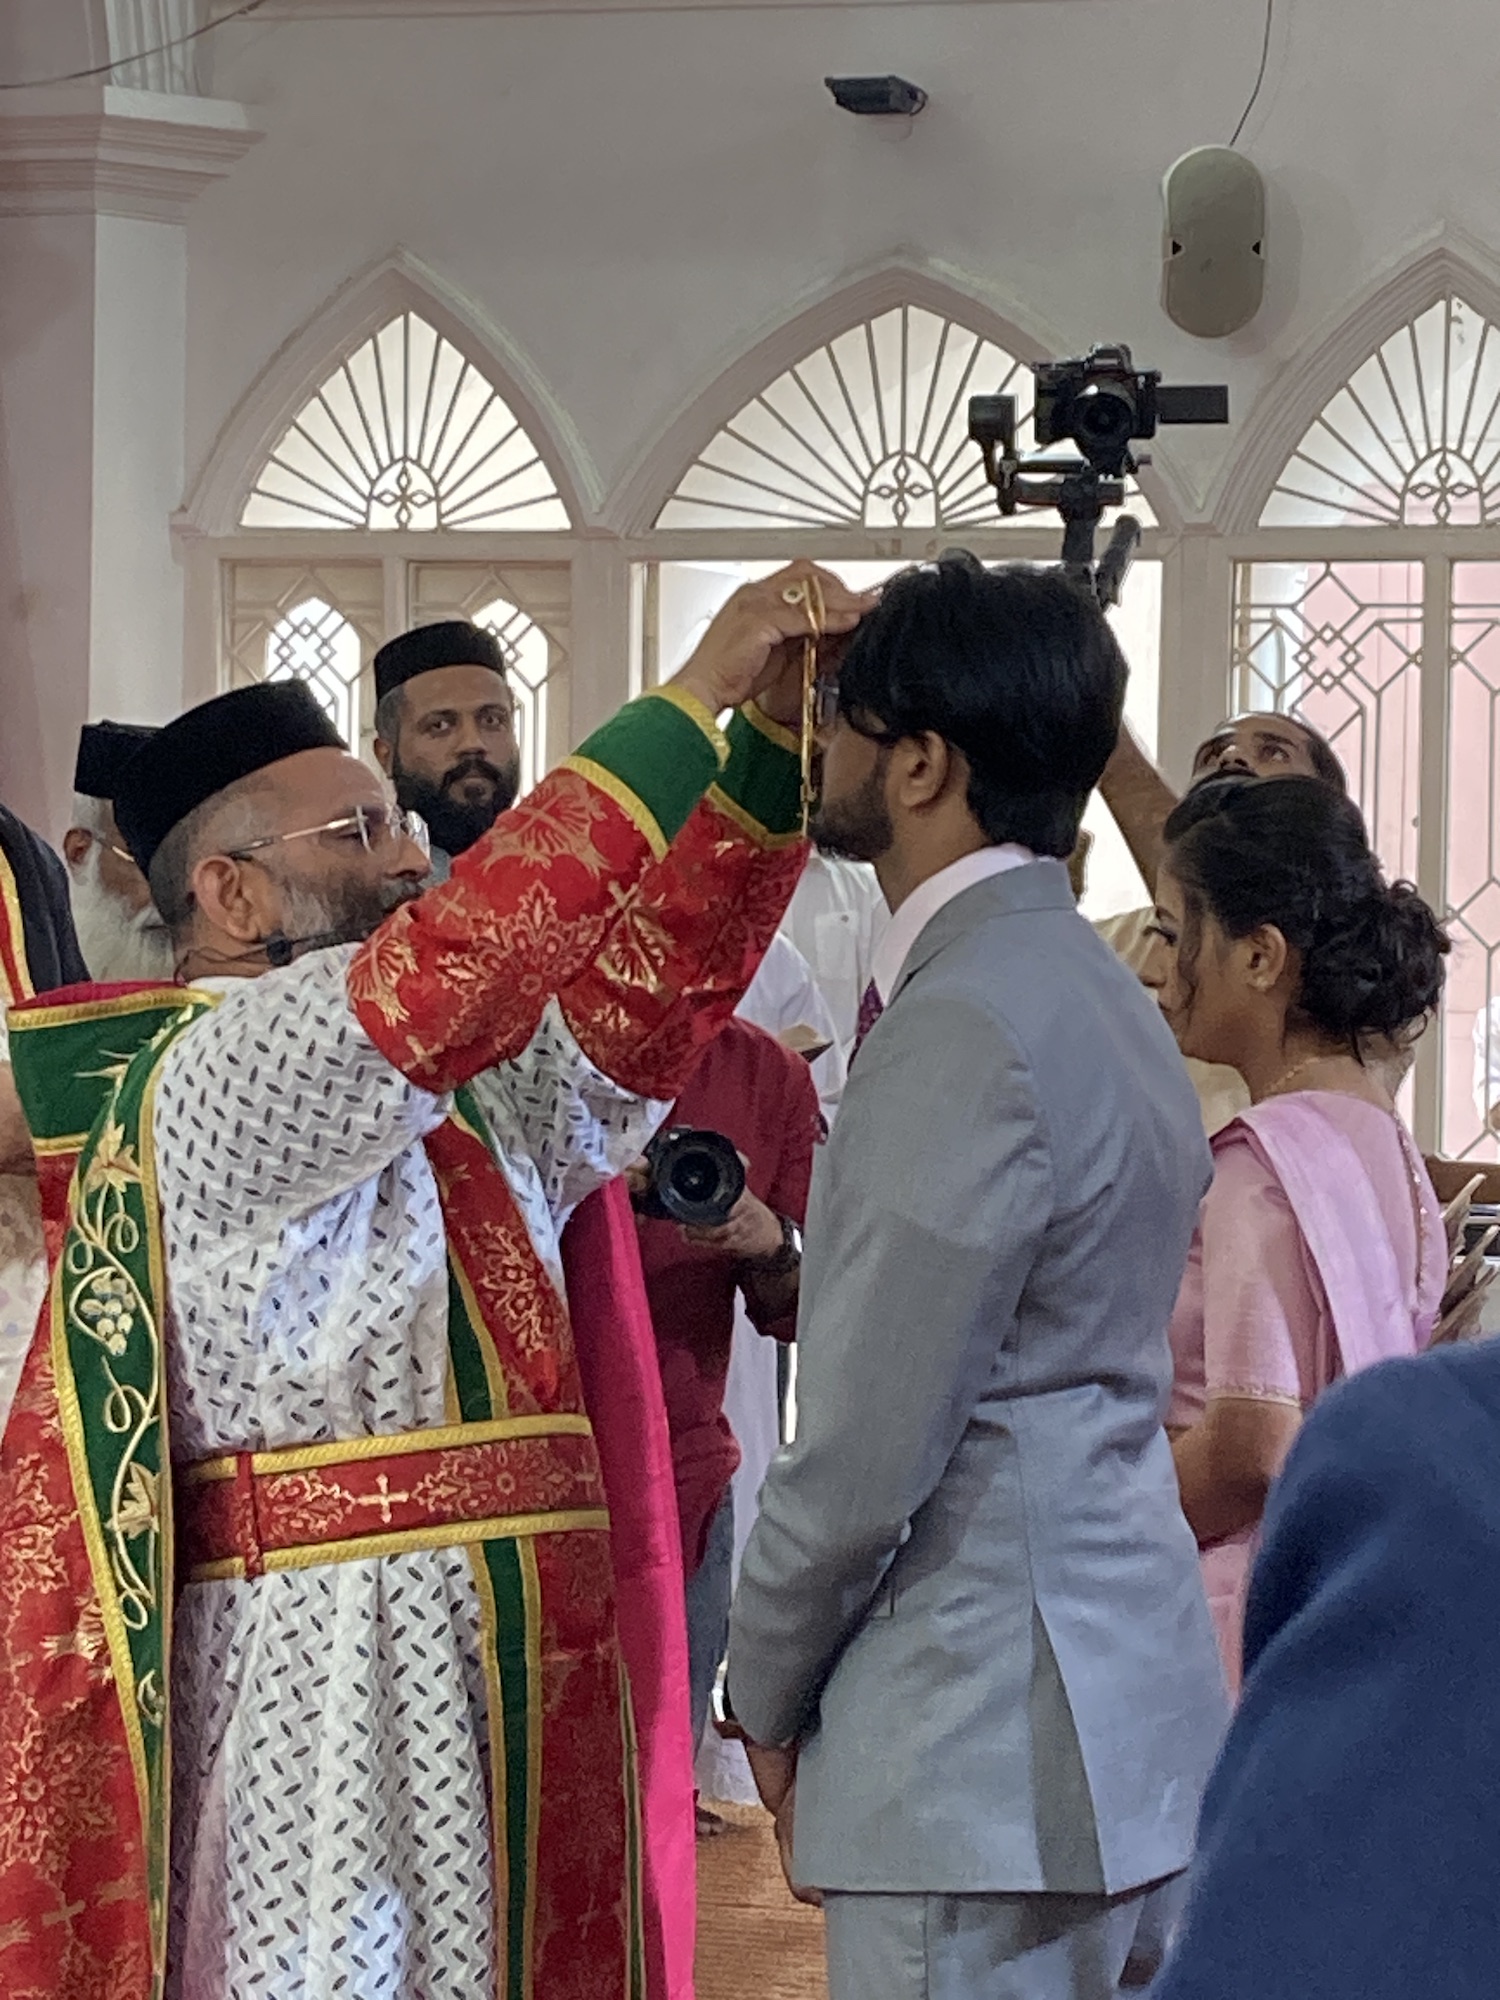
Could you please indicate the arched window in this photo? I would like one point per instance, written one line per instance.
(1411, 440)
(406, 489)
(859, 453)
(406, 434)
(1373, 611)
(870, 430)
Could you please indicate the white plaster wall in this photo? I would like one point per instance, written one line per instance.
(46, 38)
(635, 198)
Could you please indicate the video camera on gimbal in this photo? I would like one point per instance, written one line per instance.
(1102, 404)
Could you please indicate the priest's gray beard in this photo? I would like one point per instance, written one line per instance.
(340, 912)
(117, 944)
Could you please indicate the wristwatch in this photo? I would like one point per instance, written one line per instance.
(787, 1258)
(726, 1723)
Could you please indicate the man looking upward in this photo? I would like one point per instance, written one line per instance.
(445, 732)
(318, 1215)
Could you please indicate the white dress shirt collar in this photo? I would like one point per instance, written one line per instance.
(922, 905)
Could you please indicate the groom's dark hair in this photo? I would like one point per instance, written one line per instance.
(1016, 667)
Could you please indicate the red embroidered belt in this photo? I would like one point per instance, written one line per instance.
(242, 1515)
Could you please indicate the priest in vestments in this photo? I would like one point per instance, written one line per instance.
(310, 1680)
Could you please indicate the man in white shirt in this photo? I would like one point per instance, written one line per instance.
(835, 919)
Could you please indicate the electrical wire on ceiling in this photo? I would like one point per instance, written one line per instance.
(1260, 74)
(139, 55)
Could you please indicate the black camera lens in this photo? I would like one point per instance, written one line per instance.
(1103, 417)
(696, 1177)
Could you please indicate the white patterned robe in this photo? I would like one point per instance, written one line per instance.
(331, 1814)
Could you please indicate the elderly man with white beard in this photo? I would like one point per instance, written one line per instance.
(119, 931)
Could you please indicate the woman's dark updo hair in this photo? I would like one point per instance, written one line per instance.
(1292, 852)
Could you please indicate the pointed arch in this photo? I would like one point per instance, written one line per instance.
(1377, 383)
(878, 369)
(401, 314)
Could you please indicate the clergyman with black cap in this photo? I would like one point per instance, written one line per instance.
(120, 931)
(445, 731)
(361, 1582)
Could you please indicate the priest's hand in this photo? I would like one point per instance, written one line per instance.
(754, 646)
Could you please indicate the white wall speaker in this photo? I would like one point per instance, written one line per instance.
(1214, 246)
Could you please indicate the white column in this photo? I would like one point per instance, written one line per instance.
(95, 185)
(1198, 582)
(601, 643)
(136, 25)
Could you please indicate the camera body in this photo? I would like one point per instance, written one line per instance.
(696, 1177)
(1102, 404)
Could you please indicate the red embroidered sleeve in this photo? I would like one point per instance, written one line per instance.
(617, 887)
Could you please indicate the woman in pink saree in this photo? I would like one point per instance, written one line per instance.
(1320, 1248)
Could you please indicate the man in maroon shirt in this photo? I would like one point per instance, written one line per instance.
(762, 1098)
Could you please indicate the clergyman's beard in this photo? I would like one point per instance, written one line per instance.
(857, 827)
(117, 943)
(454, 822)
(342, 912)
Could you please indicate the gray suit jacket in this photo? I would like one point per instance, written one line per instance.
(971, 1590)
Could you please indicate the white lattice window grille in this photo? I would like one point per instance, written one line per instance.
(1339, 644)
(317, 645)
(1397, 662)
(1378, 620)
(532, 633)
(315, 623)
(869, 431)
(1411, 440)
(406, 434)
(1472, 1039)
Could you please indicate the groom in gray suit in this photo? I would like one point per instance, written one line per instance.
(970, 1641)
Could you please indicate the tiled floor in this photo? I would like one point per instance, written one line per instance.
(754, 1942)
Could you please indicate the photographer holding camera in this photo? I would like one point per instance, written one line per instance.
(721, 1195)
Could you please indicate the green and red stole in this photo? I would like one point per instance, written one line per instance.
(88, 1568)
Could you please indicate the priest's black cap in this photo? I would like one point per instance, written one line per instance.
(454, 643)
(209, 749)
(104, 749)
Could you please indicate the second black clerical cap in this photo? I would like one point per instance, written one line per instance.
(453, 643)
(210, 748)
(104, 749)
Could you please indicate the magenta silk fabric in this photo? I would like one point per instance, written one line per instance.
(1304, 1267)
(622, 1388)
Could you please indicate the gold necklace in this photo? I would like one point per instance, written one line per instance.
(1296, 1070)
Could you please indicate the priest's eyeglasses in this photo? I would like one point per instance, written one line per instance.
(377, 829)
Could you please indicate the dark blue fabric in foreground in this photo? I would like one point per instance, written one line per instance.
(1350, 1845)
